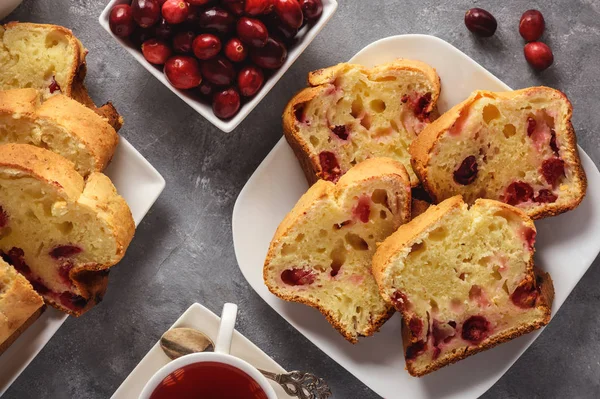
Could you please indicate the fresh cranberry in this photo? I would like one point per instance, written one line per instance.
(156, 51)
(235, 6)
(218, 71)
(39, 287)
(552, 170)
(340, 130)
(518, 192)
(362, 210)
(163, 30)
(531, 25)
(183, 42)
(217, 20)
(290, 12)
(442, 332)
(296, 276)
(467, 171)
(524, 295)
(553, 145)
(329, 166)
(145, 12)
(16, 258)
(206, 46)
(250, 80)
(121, 20)
(257, 7)
(475, 329)
(72, 301)
(54, 86)
(282, 32)
(400, 301)
(183, 72)
(531, 124)
(312, 9)
(252, 31)
(271, 56)
(416, 349)
(199, 2)
(206, 88)
(235, 50)
(421, 105)
(3, 218)
(538, 55)
(415, 325)
(65, 251)
(226, 103)
(480, 22)
(175, 11)
(545, 196)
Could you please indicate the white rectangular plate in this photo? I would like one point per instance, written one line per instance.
(200, 318)
(140, 184)
(566, 245)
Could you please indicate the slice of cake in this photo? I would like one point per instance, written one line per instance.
(517, 147)
(61, 125)
(352, 113)
(321, 252)
(48, 58)
(58, 230)
(20, 305)
(463, 280)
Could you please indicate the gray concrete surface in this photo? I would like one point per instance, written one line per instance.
(183, 250)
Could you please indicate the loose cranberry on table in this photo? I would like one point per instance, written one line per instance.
(121, 20)
(271, 56)
(218, 71)
(175, 11)
(250, 80)
(252, 31)
(290, 12)
(183, 42)
(531, 25)
(206, 46)
(226, 103)
(156, 51)
(145, 12)
(216, 19)
(538, 55)
(183, 72)
(312, 9)
(235, 50)
(480, 22)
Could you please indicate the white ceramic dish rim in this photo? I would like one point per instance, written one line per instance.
(522, 343)
(329, 7)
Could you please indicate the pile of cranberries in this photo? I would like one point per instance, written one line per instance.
(531, 28)
(222, 49)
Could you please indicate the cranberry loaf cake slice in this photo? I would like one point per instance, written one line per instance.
(517, 147)
(352, 113)
(321, 252)
(60, 231)
(59, 124)
(463, 280)
(20, 305)
(48, 58)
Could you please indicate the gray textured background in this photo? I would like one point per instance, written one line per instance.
(183, 250)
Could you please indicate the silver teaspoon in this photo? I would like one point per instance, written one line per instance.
(178, 342)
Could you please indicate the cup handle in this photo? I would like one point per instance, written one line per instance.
(226, 328)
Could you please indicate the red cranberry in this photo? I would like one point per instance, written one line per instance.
(532, 25)
(199, 2)
(64, 271)
(299, 113)
(518, 192)
(257, 7)
(529, 235)
(183, 72)
(467, 171)
(442, 332)
(553, 145)
(54, 86)
(206, 46)
(329, 166)
(175, 11)
(163, 30)
(480, 22)
(400, 301)
(290, 12)
(206, 88)
(65, 251)
(545, 196)
(217, 20)
(250, 80)
(252, 31)
(415, 325)
(218, 71)
(121, 20)
(312, 9)
(145, 12)
(235, 6)
(552, 170)
(524, 295)
(362, 211)
(298, 276)
(183, 42)
(156, 51)
(72, 301)
(538, 55)
(235, 50)
(3, 218)
(421, 104)
(416, 349)
(475, 329)
(531, 124)
(226, 103)
(16, 258)
(340, 130)
(271, 56)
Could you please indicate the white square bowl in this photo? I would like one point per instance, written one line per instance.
(305, 37)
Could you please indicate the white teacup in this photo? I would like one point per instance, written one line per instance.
(220, 355)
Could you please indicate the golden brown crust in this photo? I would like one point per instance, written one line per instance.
(421, 148)
(13, 337)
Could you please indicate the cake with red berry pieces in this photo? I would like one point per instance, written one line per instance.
(463, 279)
(352, 113)
(61, 232)
(321, 252)
(517, 147)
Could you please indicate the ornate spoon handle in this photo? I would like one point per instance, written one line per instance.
(300, 384)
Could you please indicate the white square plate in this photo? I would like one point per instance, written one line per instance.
(566, 245)
(140, 184)
(200, 318)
